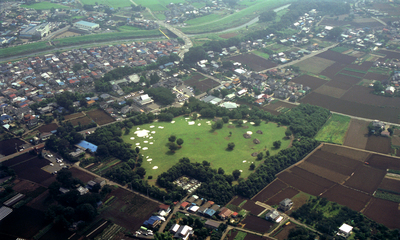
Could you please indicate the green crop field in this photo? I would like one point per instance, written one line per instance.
(37, 46)
(334, 130)
(261, 54)
(111, 3)
(44, 5)
(202, 145)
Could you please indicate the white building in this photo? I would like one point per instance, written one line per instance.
(87, 26)
(345, 230)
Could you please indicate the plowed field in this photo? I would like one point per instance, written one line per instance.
(384, 212)
(390, 184)
(384, 162)
(357, 134)
(366, 179)
(286, 193)
(347, 197)
(274, 187)
(378, 144)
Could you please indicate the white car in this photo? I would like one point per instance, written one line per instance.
(51, 164)
(59, 160)
(61, 164)
(50, 155)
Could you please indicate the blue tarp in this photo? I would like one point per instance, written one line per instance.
(87, 145)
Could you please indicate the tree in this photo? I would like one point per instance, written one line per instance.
(260, 156)
(179, 141)
(236, 174)
(252, 166)
(335, 33)
(86, 212)
(172, 146)
(231, 146)
(141, 171)
(225, 119)
(267, 153)
(277, 144)
(267, 16)
(288, 133)
(194, 116)
(378, 87)
(240, 123)
(221, 171)
(102, 151)
(257, 122)
(64, 176)
(172, 138)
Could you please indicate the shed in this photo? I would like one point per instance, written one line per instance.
(345, 230)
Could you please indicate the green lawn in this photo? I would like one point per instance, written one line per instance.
(261, 54)
(20, 49)
(202, 145)
(44, 5)
(240, 235)
(111, 3)
(206, 18)
(334, 129)
(128, 28)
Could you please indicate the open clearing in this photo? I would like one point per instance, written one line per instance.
(253, 61)
(315, 64)
(202, 145)
(334, 130)
(357, 134)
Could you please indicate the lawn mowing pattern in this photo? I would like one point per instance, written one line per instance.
(378, 144)
(269, 191)
(256, 224)
(200, 144)
(310, 81)
(345, 196)
(384, 212)
(334, 130)
(366, 179)
(286, 193)
(390, 184)
(387, 114)
(100, 117)
(253, 61)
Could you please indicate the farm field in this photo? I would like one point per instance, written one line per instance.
(82, 121)
(74, 115)
(345, 196)
(277, 107)
(357, 134)
(202, 19)
(285, 193)
(378, 144)
(257, 224)
(384, 211)
(384, 162)
(7, 147)
(390, 184)
(314, 65)
(100, 117)
(253, 61)
(128, 210)
(330, 91)
(48, 128)
(366, 179)
(269, 191)
(310, 81)
(44, 6)
(282, 232)
(334, 130)
(201, 83)
(253, 207)
(212, 144)
(113, 3)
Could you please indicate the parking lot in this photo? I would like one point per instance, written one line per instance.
(55, 163)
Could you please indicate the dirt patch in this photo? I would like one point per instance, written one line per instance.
(314, 64)
(80, 121)
(269, 191)
(247, 136)
(378, 144)
(48, 128)
(339, 84)
(83, 176)
(7, 147)
(277, 107)
(330, 91)
(390, 184)
(310, 81)
(352, 154)
(238, 200)
(301, 184)
(253, 61)
(345, 196)
(253, 207)
(396, 140)
(254, 154)
(228, 35)
(67, 34)
(286, 193)
(284, 233)
(231, 126)
(100, 117)
(357, 134)
(323, 172)
(24, 186)
(333, 69)
(376, 76)
(337, 57)
(74, 115)
(384, 212)
(257, 224)
(366, 179)
(259, 132)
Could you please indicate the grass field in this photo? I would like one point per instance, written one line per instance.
(202, 145)
(334, 130)
(261, 54)
(37, 46)
(111, 3)
(157, 5)
(202, 19)
(128, 28)
(44, 5)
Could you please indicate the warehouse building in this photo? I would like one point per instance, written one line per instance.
(87, 26)
(35, 30)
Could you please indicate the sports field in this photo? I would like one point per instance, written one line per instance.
(200, 144)
(334, 130)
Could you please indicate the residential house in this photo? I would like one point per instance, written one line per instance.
(285, 205)
(274, 216)
(225, 213)
(212, 224)
(345, 230)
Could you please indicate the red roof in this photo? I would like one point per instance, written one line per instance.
(13, 95)
(184, 204)
(164, 206)
(235, 214)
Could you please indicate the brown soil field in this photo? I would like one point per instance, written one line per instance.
(366, 179)
(330, 91)
(195, 77)
(269, 191)
(357, 134)
(346, 79)
(228, 35)
(257, 224)
(84, 176)
(286, 193)
(301, 183)
(282, 235)
(232, 235)
(274, 108)
(339, 84)
(363, 66)
(311, 177)
(250, 236)
(384, 162)
(100, 117)
(202, 85)
(323, 172)
(24, 186)
(333, 162)
(82, 120)
(29, 167)
(376, 76)
(396, 140)
(388, 8)
(314, 64)
(23, 222)
(238, 200)
(40, 202)
(310, 81)
(74, 115)
(253, 61)
(378, 144)
(253, 207)
(332, 70)
(387, 114)
(360, 94)
(390, 184)
(384, 212)
(345, 196)
(337, 57)
(357, 74)
(7, 147)
(351, 153)
(129, 210)
(389, 55)
(48, 128)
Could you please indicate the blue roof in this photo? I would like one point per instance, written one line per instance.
(89, 24)
(87, 145)
(210, 212)
(5, 117)
(151, 220)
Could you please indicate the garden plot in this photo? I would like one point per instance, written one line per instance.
(315, 64)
